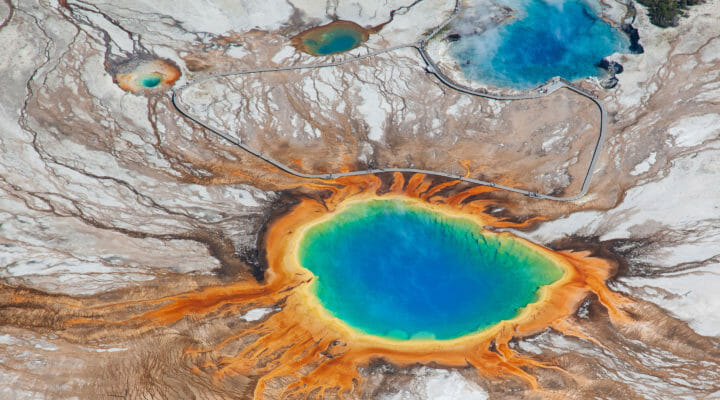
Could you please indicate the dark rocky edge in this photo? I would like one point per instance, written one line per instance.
(613, 68)
(609, 83)
(453, 37)
(634, 35)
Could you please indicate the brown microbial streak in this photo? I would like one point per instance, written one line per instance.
(304, 350)
(347, 164)
(297, 161)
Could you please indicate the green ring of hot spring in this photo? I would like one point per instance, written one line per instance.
(392, 269)
(337, 37)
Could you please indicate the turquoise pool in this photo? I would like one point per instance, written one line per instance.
(151, 80)
(393, 269)
(335, 37)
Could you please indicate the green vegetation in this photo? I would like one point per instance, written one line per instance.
(664, 13)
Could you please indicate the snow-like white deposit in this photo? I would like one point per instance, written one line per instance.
(695, 130)
(711, 52)
(257, 314)
(439, 384)
(681, 200)
(692, 297)
(685, 200)
(374, 108)
(645, 165)
(214, 16)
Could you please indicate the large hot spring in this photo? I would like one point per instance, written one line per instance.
(537, 40)
(393, 269)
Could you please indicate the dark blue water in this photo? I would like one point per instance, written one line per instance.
(561, 38)
(392, 269)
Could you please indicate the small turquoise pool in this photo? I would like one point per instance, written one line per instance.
(335, 37)
(151, 80)
(335, 41)
(393, 269)
(544, 39)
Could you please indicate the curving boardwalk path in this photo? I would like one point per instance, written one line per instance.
(432, 68)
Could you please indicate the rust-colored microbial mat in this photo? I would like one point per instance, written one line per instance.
(147, 74)
(302, 350)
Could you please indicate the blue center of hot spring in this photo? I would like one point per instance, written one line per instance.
(334, 40)
(392, 269)
(151, 80)
(542, 40)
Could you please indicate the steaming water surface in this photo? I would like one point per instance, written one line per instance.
(541, 40)
(392, 269)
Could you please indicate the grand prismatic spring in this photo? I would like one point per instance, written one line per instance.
(315, 341)
(147, 252)
(429, 275)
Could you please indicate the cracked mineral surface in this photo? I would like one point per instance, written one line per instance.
(114, 205)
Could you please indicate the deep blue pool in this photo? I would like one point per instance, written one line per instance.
(545, 39)
(393, 269)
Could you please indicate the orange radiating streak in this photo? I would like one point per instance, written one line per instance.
(438, 188)
(398, 182)
(297, 161)
(458, 198)
(293, 343)
(567, 328)
(417, 185)
(424, 186)
(413, 183)
(466, 164)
